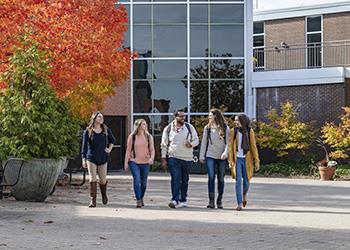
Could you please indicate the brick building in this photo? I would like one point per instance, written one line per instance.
(302, 54)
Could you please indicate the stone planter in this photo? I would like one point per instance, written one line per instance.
(37, 179)
(326, 173)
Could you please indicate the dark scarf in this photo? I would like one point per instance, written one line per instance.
(245, 140)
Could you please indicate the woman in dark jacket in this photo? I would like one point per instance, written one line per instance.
(98, 142)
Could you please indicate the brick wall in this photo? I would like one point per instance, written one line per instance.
(290, 31)
(336, 27)
(347, 92)
(319, 103)
(120, 103)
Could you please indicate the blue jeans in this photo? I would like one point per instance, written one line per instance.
(179, 172)
(139, 174)
(219, 166)
(241, 172)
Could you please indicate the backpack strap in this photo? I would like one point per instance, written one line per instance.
(208, 139)
(168, 133)
(148, 143)
(189, 130)
(225, 134)
(133, 145)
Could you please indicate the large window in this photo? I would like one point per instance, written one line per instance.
(190, 56)
(314, 41)
(259, 45)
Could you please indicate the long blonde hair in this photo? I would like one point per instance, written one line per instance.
(137, 125)
(91, 124)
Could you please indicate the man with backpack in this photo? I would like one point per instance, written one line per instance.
(178, 140)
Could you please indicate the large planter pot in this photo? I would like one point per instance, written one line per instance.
(326, 173)
(37, 179)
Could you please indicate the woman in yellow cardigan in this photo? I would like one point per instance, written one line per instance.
(243, 155)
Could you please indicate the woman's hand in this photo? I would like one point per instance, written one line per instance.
(223, 156)
(150, 161)
(257, 166)
(126, 167)
(202, 161)
(84, 163)
(108, 150)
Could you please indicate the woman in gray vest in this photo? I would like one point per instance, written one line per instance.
(213, 152)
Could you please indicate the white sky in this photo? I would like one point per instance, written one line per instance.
(274, 4)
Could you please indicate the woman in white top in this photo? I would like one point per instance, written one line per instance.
(213, 152)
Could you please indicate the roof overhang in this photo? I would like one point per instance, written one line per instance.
(301, 11)
(300, 77)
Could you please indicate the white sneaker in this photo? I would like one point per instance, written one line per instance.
(173, 204)
(183, 204)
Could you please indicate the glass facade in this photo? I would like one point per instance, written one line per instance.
(190, 56)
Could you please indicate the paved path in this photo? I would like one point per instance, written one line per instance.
(281, 214)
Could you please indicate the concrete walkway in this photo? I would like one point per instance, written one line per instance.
(281, 214)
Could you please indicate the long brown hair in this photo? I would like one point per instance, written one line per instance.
(244, 121)
(219, 121)
(91, 124)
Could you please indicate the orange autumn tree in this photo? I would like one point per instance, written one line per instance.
(83, 39)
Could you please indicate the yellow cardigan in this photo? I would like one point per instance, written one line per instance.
(251, 155)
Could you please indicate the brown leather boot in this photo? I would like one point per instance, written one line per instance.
(93, 191)
(103, 188)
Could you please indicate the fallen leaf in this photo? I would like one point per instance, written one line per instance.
(102, 238)
(28, 221)
(48, 222)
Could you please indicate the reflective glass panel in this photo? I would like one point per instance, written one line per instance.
(228, 94)
(199, 40)
(227, 40)
(143, 39)
(258, 27)
(142, 96)
(142, 69)
(199, 69)
(142, 14)
(169, 95)
(226, 13)
(258, 41)
(199, 96)
(165, 69)
(199, 14)
(227, 68)
(165, 13)
(170, 41)
(314, 24)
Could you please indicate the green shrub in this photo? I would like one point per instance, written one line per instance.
(288, 169)
(284, 133)
(34, 122)
(342, 172)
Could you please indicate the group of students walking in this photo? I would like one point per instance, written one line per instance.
(220, 146)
